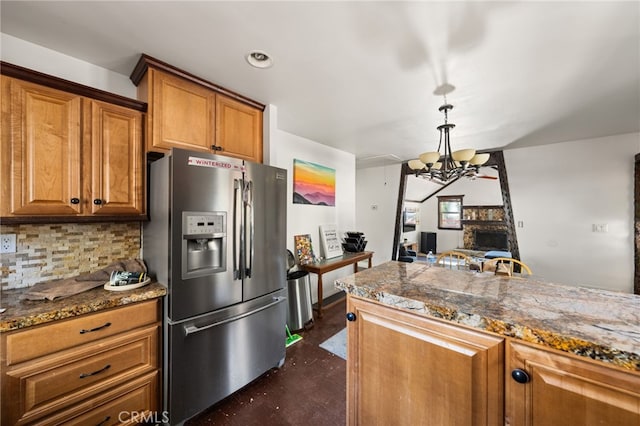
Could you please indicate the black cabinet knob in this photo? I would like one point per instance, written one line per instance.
(75, 201)
(97, 201)
(351, 316)
(520, 376)
(216, 148)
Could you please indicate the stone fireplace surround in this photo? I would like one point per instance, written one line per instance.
(469, 234)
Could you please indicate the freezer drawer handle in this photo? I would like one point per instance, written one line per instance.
(192, 329)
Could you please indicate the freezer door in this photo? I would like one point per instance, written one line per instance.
(204, 182)
(214, 355)
(265, 230)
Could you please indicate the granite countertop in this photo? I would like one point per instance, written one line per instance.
(25, 313)
(598, 324)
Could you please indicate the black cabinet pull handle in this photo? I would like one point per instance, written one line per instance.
(97, 201)
(351, 316)
(105, 368)
(520, 376)
(75, 200)
(84, 330)
(216, 148)
(106, 419)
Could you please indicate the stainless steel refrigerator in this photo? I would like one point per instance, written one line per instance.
(216, 238)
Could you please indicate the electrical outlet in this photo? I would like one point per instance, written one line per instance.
(8, 243)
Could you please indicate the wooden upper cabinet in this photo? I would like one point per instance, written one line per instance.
(186, 111)
(406, 369)
(67, 157)
(42, 148)
(181, 113)
(238, 129)
(117, 177)
(565, 390)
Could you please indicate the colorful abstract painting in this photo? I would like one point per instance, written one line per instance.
(304, 249)
(313, 184)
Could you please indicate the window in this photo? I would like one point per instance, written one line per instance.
(450, 212)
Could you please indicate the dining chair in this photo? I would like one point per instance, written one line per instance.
(406, 255)
(494, 265)
(453, 260)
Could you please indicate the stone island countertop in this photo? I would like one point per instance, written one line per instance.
(25, 313)
(598, 324)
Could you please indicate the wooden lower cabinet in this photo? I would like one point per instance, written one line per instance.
(101, 367)
(405, 369)
(566, 390)
(408, 369)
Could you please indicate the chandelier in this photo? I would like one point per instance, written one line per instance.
(450, 165)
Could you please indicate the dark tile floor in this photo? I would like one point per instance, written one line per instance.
(310, 389)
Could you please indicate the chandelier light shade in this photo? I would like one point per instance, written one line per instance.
(450, 164)
(479, 159)
(429, 158)
(416, 165)
(463, 155)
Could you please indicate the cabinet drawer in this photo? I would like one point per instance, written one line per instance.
(49, 338)
(61, 380)
(128, 404)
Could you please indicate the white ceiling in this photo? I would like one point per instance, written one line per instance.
(360, 76)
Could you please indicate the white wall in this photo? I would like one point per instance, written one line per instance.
(304, 218)
(28, 55)
(376, 198)
(559, 191)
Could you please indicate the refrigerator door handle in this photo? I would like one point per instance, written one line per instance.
(192, 329)
(236, 235)
(251, 227)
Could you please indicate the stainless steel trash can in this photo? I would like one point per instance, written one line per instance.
(300, 313)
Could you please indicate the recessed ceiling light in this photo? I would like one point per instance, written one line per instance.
(259, 59)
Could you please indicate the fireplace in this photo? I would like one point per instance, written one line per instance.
(490, 240)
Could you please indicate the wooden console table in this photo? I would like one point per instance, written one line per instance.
(332, 264)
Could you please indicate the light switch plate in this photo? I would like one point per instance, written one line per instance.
(600, 227)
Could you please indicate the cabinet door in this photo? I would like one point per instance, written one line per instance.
(181, 113)
(238, 129)
(45, 149)
(117, 159)
(406, 369)
(564, 390)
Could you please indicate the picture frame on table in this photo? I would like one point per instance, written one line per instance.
(304, 249)
(331, 245)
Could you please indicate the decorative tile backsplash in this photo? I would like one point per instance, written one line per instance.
(53, 251)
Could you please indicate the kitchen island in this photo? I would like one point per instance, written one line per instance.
(476, 348)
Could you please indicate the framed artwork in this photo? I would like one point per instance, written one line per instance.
(409, 219)
(331, 245)
(304, 249)
(313, 184)
(450, 212)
